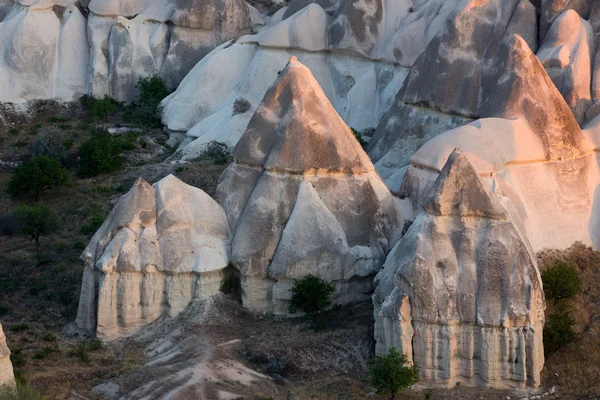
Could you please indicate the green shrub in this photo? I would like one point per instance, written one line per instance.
(49, 142)
(101, 108)
(145, 109)
(19, 328)
(91, 227)
(359, 137)
(17, 358)
(311, 295)
(45, 352)
(388, 374)
(100, 154)
(36, 175)
(68, 144)
(49, 337)
(14, 131)
(83, 348)
(36, 221)
(561, 281)
(216, 152)
(558, 330)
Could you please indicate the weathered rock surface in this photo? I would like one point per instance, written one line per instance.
(360, 68)
(42, 53)
(6, 369)
(161, 247)
(514, 86)
(567, 55)
(303, 197)
(461, 293)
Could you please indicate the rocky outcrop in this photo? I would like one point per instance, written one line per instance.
(515, 84)
(461, 293)
(550, 10)
(302, 197)
(160, 247)
(6, 369)
(360, 68)
(42, 52)
(567, 55)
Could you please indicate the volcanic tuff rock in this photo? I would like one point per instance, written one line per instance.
(50, 50)
(330, 39)
(160, 247)
(461, 293)
(303, 197)
(567, 54)
(515, 86)
(6, 369)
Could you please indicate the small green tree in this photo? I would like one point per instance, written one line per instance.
(310, 295)
(101, 108)
(36, 221)
(146, 109)
(389, 374)
(561, 281)
(558, 330)
(36, 175)
(100, 154)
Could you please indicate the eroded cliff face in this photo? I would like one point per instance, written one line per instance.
(302, 197)
(461, 293)
(51, 50)
(161, 247)
(7, 377)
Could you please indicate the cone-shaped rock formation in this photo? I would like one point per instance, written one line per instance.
(303, 197)
(160, 247)
(461, 293)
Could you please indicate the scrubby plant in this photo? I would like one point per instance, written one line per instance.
(17, 358)
(83, 348)
(241, 106)
(359, 137)
(101, 108)
(100, 154)
(36, 175)
(561, 281)
(36, 221)
(310, 295)
(145, 109)
(49, 142)
(389, 374)
(558, 330)
(216, 152)
(21, 392)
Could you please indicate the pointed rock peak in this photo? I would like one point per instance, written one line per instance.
(458, 191)
(522, 87)
(296, 129)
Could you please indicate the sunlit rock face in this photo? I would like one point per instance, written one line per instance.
(461, 293)
(7, 377)
(567, 54)
(161, 247)
(359, 52)
(302, 197)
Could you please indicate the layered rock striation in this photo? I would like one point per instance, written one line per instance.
(461, 293)
(161, 247)
(302, 197)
